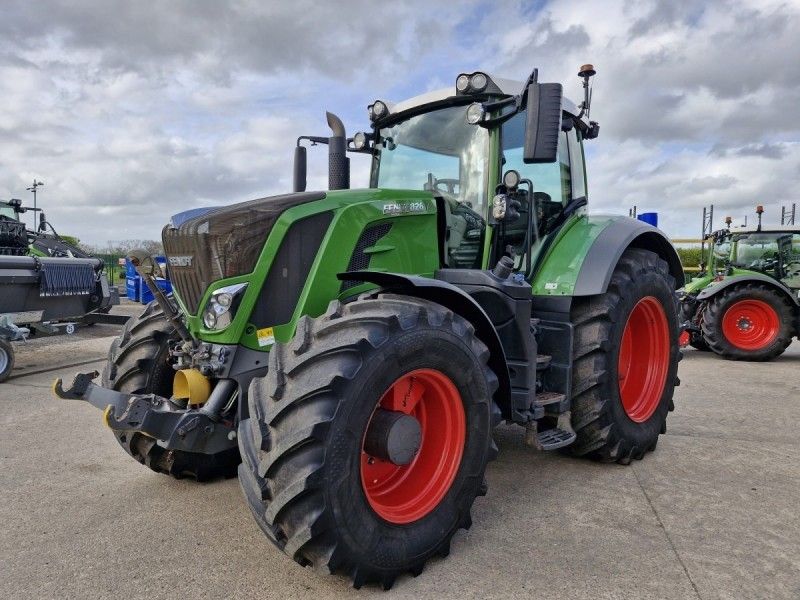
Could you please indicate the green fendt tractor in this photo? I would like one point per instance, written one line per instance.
(357, 347)
(745, 303)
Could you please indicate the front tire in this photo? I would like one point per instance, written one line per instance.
(138, 363)
(748, 322)
(625, 361)
(307, 473)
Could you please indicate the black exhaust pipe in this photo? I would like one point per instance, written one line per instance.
(338, 163)
(300, 168)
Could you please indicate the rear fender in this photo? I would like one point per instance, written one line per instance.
(604, 254)
(459, 302)
(716, 287)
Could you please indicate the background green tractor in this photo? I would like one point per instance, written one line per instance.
(745, 303)
(356, 348)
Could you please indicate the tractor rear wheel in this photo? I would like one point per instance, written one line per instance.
(625, 361)
(138, 363)
(367, 441)
(748, 322)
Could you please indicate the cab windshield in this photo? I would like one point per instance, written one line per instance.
(757, 251)
(436, 151)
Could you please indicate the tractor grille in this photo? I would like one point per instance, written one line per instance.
(223, 243)
(66, 279)
(359, 260)
(289, 270)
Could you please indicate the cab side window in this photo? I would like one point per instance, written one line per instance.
(552, 182)
(576, 163)
(791, 262)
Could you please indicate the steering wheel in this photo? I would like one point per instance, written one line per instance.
(450, 184)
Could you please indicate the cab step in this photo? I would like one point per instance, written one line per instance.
(545, 398)
(550, 439)
(543, 361)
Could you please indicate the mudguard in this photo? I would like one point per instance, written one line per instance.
(718, 286)
(455, 299)
(584, 252)
(604, 254)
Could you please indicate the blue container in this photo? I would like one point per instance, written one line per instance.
(147, 296)
(131, 272)
(649, 218)
(132, 287)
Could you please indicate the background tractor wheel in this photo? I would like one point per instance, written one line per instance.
(626, 359)
(6, 359)
(368, 439)
(748, 322)
(138, 363)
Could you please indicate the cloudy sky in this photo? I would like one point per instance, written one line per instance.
(132, 111)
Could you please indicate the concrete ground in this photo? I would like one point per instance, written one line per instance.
(712, 513)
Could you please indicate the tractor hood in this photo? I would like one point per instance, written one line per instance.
(205, 245)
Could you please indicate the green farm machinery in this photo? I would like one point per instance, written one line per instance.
(349, 352)
(745, 302)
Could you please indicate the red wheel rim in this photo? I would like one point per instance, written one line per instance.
(750, 324)
(644, 359)
(404, 494)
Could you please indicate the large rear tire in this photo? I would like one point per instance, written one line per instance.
(625, 361)
(748, 322)
(138, 363)
(314, 486)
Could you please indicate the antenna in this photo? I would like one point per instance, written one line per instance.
(586, 72)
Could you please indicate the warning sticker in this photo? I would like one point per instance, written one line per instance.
(265, 336)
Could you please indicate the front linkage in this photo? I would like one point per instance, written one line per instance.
(175, 428)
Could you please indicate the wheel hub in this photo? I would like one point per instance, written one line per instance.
(412, 446)
(393, 436)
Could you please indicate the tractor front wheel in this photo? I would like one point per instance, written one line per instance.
(625, 360)
(748, 322)
(368, 439)
(138, 363)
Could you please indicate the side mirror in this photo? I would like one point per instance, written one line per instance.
(300, 168)
(542, 123)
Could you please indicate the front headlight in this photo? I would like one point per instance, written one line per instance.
(221, 306)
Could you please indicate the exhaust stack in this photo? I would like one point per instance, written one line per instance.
(338, 163)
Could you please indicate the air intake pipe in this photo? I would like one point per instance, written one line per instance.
(338, 163)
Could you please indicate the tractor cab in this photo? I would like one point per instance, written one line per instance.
(774, 252)
(475, 150)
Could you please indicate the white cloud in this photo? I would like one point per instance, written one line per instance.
(130, 114)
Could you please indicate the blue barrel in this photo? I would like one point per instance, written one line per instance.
(649, 218)
(147, 295)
